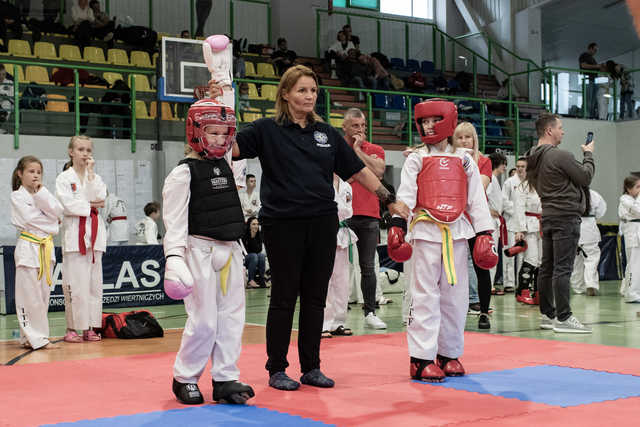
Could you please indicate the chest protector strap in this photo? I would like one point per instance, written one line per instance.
(214, 206)
(442, 188)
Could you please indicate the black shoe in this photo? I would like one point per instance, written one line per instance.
(281, 381)
(483, 321)
(232, 392)
(189, 394)
(317, 379)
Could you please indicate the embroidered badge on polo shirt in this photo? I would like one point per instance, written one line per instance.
(321, 139)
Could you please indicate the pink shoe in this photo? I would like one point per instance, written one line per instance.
(72, 336)
(90, 335)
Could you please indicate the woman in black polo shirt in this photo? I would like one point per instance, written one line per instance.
(299, 154)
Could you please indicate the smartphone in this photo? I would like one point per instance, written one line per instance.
(589, 137)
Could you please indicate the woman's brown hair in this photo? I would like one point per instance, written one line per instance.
(287, 82)
(629, 182)
(20, 167)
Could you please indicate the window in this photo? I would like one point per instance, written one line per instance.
(415, 8)
(364, 4)
(339, 3)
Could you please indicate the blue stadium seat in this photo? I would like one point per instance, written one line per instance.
(412, 65)
(397, 63)
(493, 128)
(398, 102)
(427, 67)
(380, 101)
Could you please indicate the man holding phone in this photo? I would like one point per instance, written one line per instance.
(563, 186)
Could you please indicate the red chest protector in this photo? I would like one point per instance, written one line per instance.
(442, 188)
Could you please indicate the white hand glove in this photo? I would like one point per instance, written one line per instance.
(178, 281)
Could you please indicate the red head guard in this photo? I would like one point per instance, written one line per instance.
(207, 112)
(436, 108)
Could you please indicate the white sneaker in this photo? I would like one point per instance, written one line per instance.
(372, 321)
(570, 326)
(546, 322)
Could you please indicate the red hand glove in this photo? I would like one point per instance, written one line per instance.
(398, 249)
(485, 254)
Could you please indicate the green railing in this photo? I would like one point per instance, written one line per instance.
(12, 64)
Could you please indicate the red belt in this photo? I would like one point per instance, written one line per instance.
(536, 215)
(82, 231)
(504, 236)
(118, 218)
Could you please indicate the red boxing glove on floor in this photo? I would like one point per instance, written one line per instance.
(398, 249)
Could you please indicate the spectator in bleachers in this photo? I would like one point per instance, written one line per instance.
(350, 37)
(627, 85)
(283, 58)
(118, 101)
(10, 21)
(381, 75)
(83, 19)
(255, 260)
(6, 95)
(239, 69)
(250, 198)
(359, 73)
(337, 54)
(588, 62)
(50, 21)
(103, 27)
(203, 8)
(185, 34)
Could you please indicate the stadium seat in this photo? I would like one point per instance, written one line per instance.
(250, 117)
(397, 63)
(269, 92)
(70, 52)
(253, 92)
(141, 110)
(155, 59)
(271, 112)
(20, 48)
(167, 111)
(427, 67)
(94, 55)
(9, 68)
(57, 103)
(140, 59)
(45, 50)
(112, 77)
(117, 57)
(380, 101)
(412, 65)
(37, 74)
(336, 121)
(249, 69)
(398, 102)
(266, 70)
(142, 83)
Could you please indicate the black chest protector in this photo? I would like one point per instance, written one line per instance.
(214, 206)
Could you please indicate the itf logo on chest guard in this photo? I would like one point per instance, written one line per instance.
(219, 182)
(321, 139)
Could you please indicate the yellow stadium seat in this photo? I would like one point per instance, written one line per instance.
(69, 52)
(45, 50)
(336, 121)
(140, 59)
(142, 83)
(271, 112)
(60, 104)
(249, 69)
(167, 112)
(10, 70)
(155, 59)
(141, 110)
(94, 55)
(117, 57)
(269, 92)
(37, 74)
(250, 117)
(20, 48)
(112, 77)
(266, 70)
(253, 92)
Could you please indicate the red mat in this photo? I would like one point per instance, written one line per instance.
(371, 372)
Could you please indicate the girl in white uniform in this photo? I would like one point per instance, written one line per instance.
(528, 212)
(585, 267)
(629, 212)
(81, 192)
(35, 213)
(335, 311)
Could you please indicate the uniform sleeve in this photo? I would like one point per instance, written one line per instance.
(477, 206)
(175, 210)
(246, 204)
(347, 163)
(629, 207)
(408, 190)
(598, 205)
(48, 204)
(95, 189)
(249, 142)
(25, 215)
(519, 210)
(151, 233)
(73, 206)
(507, 203)
(343, 199)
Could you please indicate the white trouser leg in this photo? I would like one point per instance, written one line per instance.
(533, 254)
(438, 310)
(32, 305)
(356, 275)
(214, 321)
(335, 311)
(82, 286)
(508, 268)
(633, 291)
(578, 274)
(492, 272)
(624, 284)
(591, 275)
(406, 293)
(376, 264)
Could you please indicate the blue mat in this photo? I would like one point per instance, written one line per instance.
(207, 415)
(553, 385)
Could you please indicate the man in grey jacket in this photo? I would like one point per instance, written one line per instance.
(562, 184)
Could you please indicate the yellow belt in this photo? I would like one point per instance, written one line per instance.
(44, 252)
(447, 245)
(224, 275)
